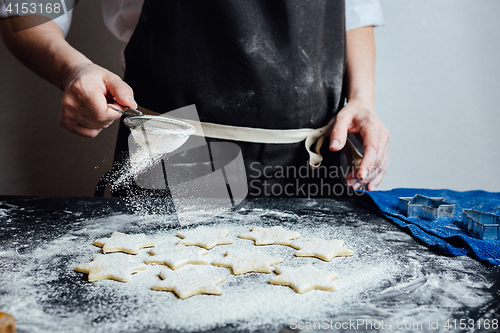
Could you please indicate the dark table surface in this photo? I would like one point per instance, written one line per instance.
(390, 280)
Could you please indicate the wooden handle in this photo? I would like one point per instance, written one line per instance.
(7, 323)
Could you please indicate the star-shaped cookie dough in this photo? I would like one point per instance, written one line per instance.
(244, 261)
(273, 235)
(189, 281)
(205, 237)
(119, 242)
(116, 266)
(178, 256)
(320, 248)
(304, 278)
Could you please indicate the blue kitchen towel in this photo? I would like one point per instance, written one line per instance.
(447, 236)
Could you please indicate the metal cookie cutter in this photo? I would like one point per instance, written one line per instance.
(482, 225)
(429, 208)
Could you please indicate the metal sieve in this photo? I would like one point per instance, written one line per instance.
(136, 119)
(160, 134)
(156, 123)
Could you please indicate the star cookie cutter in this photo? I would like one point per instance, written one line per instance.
(482, 225)
(429, 208)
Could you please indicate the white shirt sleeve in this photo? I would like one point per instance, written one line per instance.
(63, 21)
(3, 13)
(363, 13)
(121, 17)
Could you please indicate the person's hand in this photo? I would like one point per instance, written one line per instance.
(358, 118)
(84, 108)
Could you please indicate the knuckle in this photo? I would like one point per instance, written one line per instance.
(373, 173)
(116, 81)
(63, 122)
(114, 76)
(77, 87)
(67, 102)
(65, 118)
(342, 117)
(337, 133)
(370, 120)
(88, 133)
(375, 148)
(94, 133)
(107, 124)
(99, 117)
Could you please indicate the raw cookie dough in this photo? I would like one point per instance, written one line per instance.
(304, 278)
(116, 266)
(205, 237)
(119, 242)
(268, 236)
(189, 281)
(244, 261)
(320, 248)
(177, 256)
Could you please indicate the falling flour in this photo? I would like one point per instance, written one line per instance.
(149, 153)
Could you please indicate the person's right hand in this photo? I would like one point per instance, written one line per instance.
(84, 108)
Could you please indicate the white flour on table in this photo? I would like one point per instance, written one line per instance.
(45, 294)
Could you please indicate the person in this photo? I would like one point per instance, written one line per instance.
(287, 64)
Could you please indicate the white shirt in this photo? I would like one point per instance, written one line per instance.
(121, 16)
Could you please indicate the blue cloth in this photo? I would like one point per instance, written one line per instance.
(446, 236)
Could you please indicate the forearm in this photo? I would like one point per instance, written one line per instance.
(358, 116)
(44, 50)
(360, 61)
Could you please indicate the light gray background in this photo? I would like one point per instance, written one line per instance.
(438, 78)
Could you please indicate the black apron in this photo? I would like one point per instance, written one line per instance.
(254, 63)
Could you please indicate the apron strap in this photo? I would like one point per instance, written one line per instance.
(271, 136)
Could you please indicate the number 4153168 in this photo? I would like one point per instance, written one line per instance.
(33, 8)
(471, 323)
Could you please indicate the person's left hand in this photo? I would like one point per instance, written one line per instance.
(357, 117)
